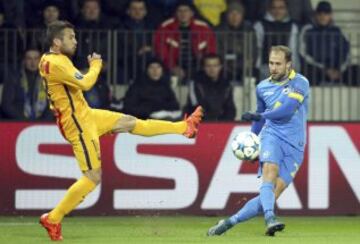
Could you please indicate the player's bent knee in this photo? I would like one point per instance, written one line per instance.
(125, 124)
(94, 175)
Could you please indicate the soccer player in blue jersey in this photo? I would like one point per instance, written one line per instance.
(280, 121)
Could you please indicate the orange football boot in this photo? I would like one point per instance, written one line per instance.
(193, 122)
(54, 230)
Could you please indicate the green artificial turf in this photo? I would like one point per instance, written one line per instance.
(181, 229)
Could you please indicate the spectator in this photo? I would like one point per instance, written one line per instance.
(151, 96)
(324, 48)
(164, 9)
(14, 12)
(277, 28)
(91, 17)
(24, 97)
(212, 91)
(135, 39)
(35, 37)
(299, 10)
(10, 46)
(182, 40)
(93, 35)
(236, 43)
(50, 14)
(35, 11)
(211, 10)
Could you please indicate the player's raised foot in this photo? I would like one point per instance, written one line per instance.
(273, 225)
(220, 228)
(54, 230)
(193, 122)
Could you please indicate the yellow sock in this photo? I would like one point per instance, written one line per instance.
(73, 197)
(151, 127)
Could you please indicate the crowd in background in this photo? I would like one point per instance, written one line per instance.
(170, 38)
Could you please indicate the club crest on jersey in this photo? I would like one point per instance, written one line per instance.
(78, 76)
(286, 90)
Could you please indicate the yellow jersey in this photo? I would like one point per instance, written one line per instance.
(64, 85)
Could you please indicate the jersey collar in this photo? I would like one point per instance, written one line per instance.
(291, 76)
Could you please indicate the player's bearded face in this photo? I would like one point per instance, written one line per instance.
(278, 66)
(68, 43)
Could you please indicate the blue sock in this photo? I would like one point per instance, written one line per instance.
(267, 198)
(251, 209)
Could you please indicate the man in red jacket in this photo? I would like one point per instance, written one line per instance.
(181, 41)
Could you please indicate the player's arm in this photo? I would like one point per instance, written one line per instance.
(256, 126)
(283, 112)
(66, 73)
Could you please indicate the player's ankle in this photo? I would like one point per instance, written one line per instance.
(269, 215)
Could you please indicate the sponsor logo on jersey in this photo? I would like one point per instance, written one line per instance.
(268, 93)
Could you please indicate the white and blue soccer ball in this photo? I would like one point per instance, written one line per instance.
(246, 146)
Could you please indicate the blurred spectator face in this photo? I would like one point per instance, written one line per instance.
(137, 11)
(212, 67)
(68, 42)
(155, 71)
(31, 60)
(278, 66)
(278, 10)
(51, 14)
(323, 18)
(184, 14)
(235, 18)
(91, 10)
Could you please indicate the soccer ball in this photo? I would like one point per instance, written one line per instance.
(246, 146)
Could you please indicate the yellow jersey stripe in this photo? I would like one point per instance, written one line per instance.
(296, 96)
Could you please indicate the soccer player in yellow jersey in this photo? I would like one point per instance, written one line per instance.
(81, 125)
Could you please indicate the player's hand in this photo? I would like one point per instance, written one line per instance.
(249, 116)
(93, 56)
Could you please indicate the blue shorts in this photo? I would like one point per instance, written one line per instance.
(277, 151)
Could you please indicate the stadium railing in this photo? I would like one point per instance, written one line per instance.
(125, 55)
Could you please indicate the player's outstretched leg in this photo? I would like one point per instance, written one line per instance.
(152, 127)
(251, 209)
(220, 228)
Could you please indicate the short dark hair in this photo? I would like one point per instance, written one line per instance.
(55, 30)
(210, 56)
(284, 49)
(270, 3)
(87, 1)
(135, 1)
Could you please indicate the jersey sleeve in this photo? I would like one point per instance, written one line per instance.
(300, 90)
(65, 72)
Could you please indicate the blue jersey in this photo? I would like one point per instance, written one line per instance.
(271, 95)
